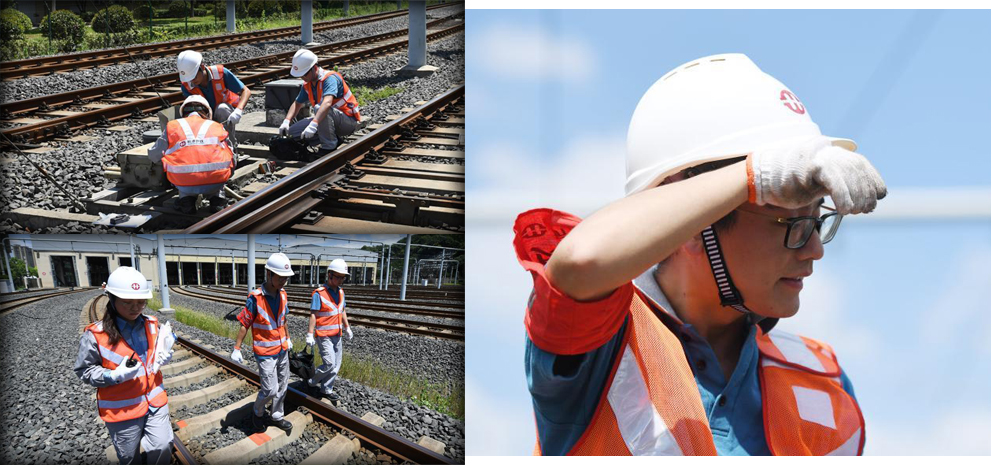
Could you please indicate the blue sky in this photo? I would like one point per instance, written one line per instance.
(903, 294)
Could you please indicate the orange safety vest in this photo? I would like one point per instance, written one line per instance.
(651, 404)
(222, 94)
(346, 103)
(130, 399)
(197, 159)
(270, 336)
(328, 316)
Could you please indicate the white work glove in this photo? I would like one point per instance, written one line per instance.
(124, 373)
(310, 130)
(235, 116)
(310, 340)
(289, 344)
(236, 356)
(162, 358)
(793, 176)
(350, 334)
(283, 129)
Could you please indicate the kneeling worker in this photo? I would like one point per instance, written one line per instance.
(335, 110)
(265, 313)
(121, 356)
(225, 93)
(196, 157)
(327, 318)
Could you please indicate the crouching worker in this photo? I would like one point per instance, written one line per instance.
(335, 110)
(265, 313)
(196, 157)
(121, 356)
(327, 319)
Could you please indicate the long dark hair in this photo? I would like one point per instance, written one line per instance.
(110, 325)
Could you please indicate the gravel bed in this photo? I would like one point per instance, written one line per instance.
(48, 413)
(436, 360)
(23, 294)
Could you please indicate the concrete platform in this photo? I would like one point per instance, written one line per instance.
(245, 450)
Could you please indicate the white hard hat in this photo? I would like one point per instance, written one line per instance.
(198, 100)
(279, 264)
(338, 265)
(188, 63)
(128, 283)
(712, 108)
(302, 62)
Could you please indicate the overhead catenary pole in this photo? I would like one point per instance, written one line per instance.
(230, 15)
(233, 254)
(10, 274)
(441, 271)
(406, 268)
(131, 251)
(251, 263)
(307, 22)
(161, 267)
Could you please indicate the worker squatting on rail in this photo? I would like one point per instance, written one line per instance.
(335, 110)
(264, 314)
(650, 323)
(121, 356)
(328, 318)
(196, 156)
(225, 93)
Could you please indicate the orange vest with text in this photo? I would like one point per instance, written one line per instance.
(328, 316)
(197, 158)
(270, 335)
(130, 399)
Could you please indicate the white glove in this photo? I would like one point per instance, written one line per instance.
(283, 129)
(124, 373)
(310, 340)
(162, 358)
(236, 356)
(235, 116)
(797, 175)
(289, 344)
(310, 130)
(165, 341)
(350, 334)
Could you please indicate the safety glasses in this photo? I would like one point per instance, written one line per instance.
(799, 229)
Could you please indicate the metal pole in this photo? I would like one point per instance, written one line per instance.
(307, 21)
(161, 267)
(230, 15)
(233, 253)
(347, 6)
(406, 268)
(131, 250)
(417, 45)
(388, 269)
(441, 271)
(10, 274)
(251, 263)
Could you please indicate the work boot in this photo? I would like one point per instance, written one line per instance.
(258, 424)
(216, 204)
(186, 205)
(331, 395)
(282, 424)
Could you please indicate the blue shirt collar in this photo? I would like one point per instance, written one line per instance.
(123, 323)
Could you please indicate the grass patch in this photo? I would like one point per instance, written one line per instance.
(446, 399)
(366, 95)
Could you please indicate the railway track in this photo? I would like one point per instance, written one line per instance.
(412, 308)
(440, 330)
(191, 354)
(11, 304)
(19, 69)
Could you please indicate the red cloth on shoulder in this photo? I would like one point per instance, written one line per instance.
(555, 322)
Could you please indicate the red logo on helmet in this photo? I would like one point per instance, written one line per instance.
(792, 102)
(286, 266)
(135, 286)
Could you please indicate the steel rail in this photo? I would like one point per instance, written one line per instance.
(38, 132)
(12, 304)
(51, 64)
(360, 304)
(293, 196)
(391, 443)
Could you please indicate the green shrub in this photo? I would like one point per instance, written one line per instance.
(289, 6)
(13, 25)
(262, 8)
(142, 13)
(114, 18)
(67, 29)
(199, 11)
(178, 9)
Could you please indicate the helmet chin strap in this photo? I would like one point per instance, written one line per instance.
(729, 296)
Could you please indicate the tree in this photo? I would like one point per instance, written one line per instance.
(19, 270)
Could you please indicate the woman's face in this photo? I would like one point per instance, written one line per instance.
(130, 309)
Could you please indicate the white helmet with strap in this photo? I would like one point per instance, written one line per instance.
(196, 99)
(338, 265)
(302, 62)
(188, 63)
(279, 264)
(128, 283)
(712, 108)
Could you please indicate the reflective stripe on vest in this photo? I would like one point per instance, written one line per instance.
(130, 399)
(270, 336)
(197, 159)
(651, 403)
(328, 317)
(346, 103)
(217, 81)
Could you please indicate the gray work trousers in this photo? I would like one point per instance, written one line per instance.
(221, 115)
(331, 350)
(273, 385)
(152, 432)
(337, 125)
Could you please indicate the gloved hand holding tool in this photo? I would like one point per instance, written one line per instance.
(125, 371)
(310, 340)
(235, 116)
(283, 129)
